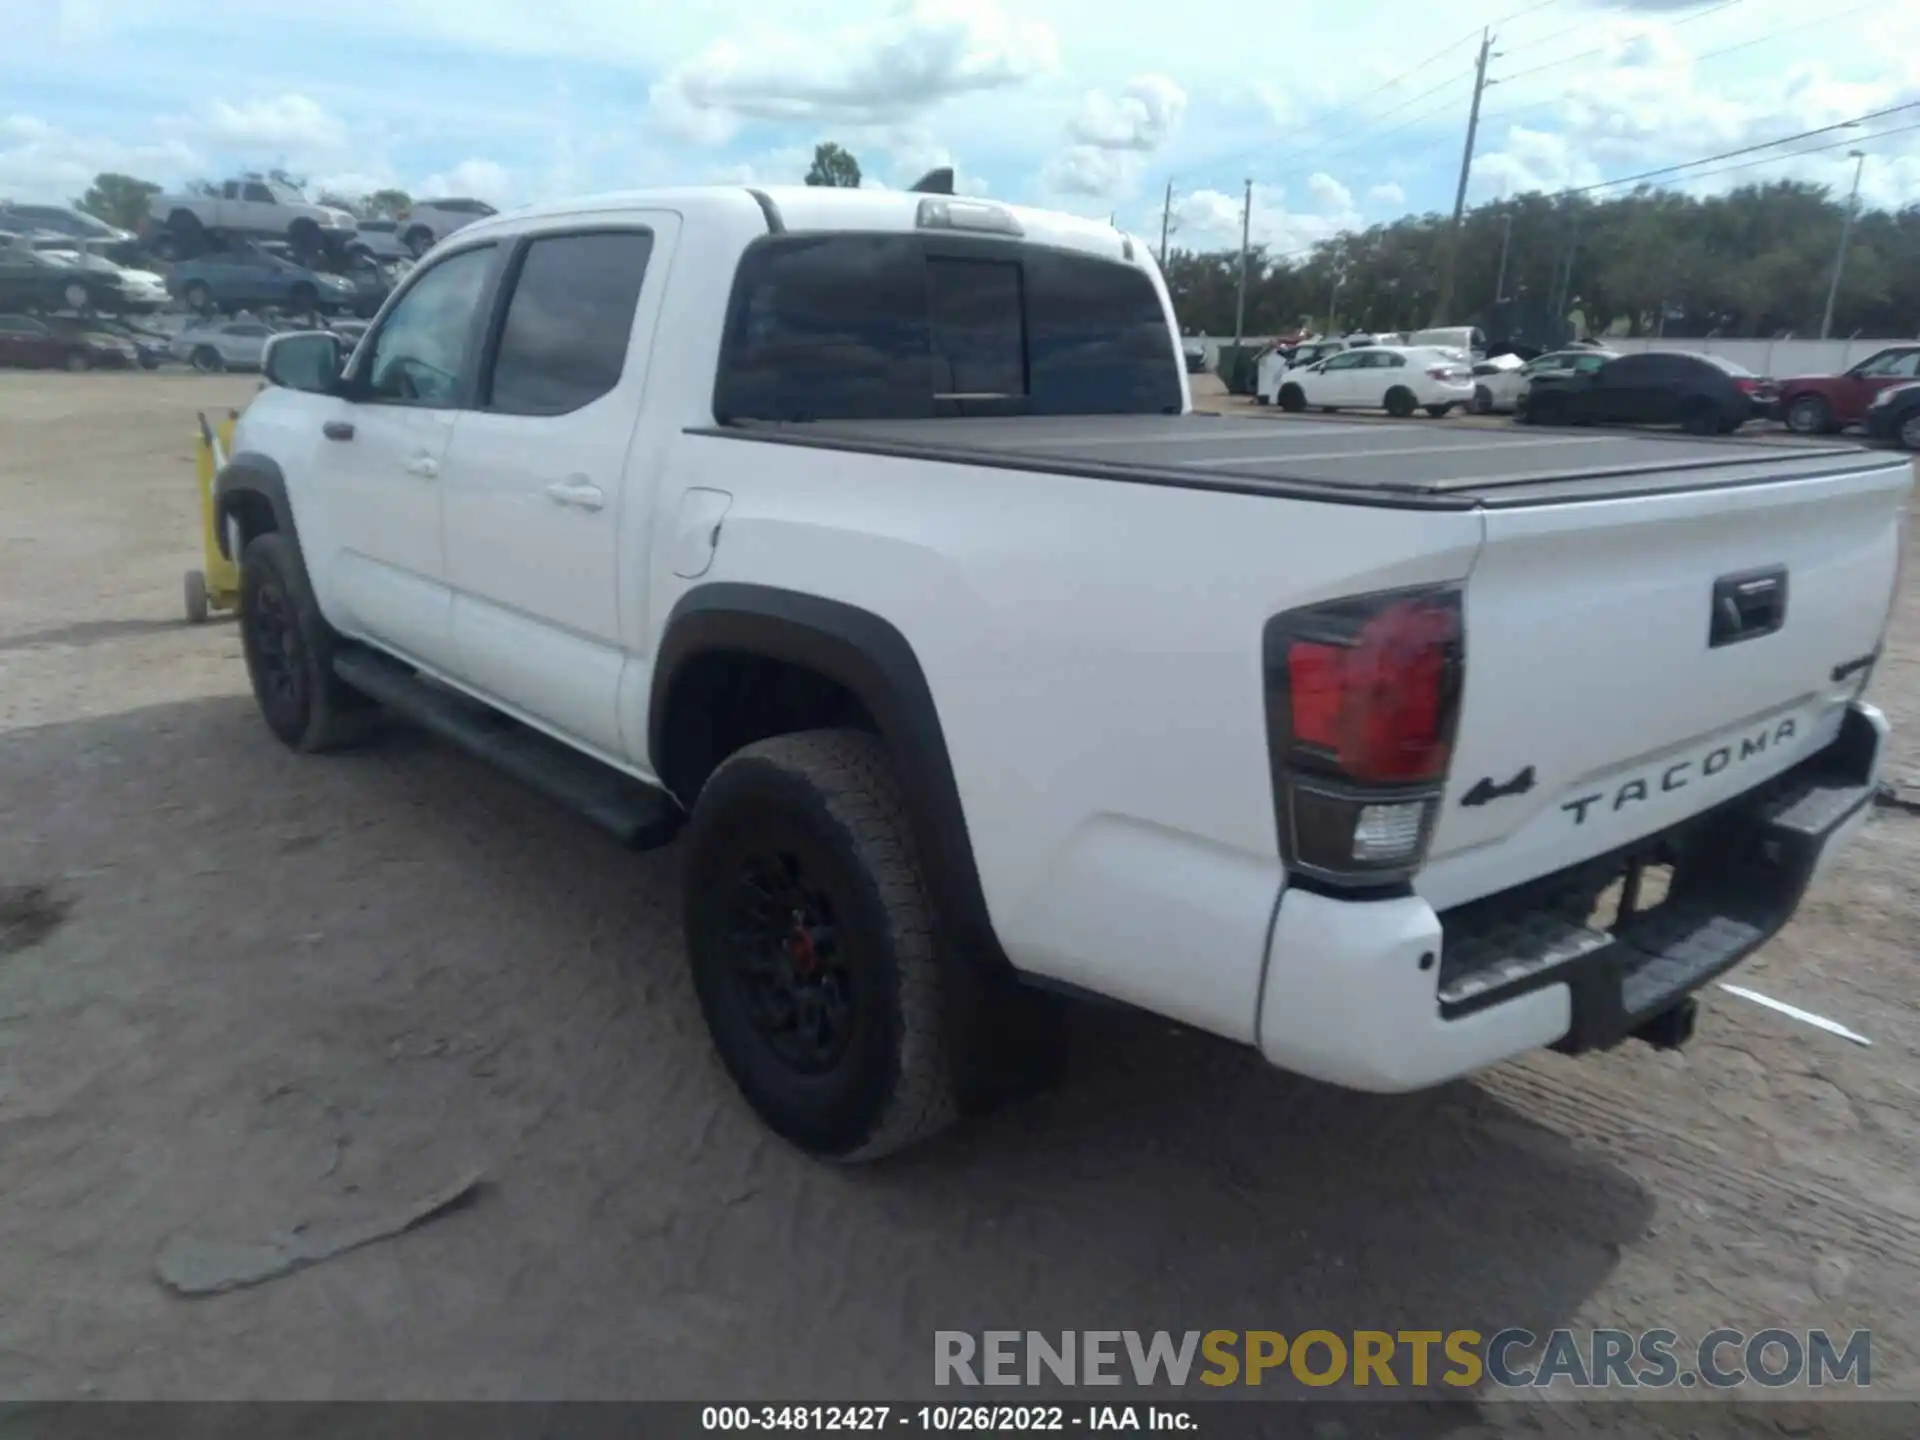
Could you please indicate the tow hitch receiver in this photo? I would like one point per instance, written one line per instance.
(1672, 1027)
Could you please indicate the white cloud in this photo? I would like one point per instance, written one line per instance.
(291, 123)
(921, 53)
(469, 180)
(1210, 219)
(41, 161)
(1090, 171)
(1387, 194)
(1143, 116)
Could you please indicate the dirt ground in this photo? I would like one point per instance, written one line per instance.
(276, 992)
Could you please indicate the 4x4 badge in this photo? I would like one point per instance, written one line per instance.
(1485, 791)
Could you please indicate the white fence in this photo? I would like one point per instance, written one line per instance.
(1777, 358)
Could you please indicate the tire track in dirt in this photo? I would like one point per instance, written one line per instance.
(1609, 1120)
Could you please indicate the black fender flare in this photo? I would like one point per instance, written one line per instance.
(251, 474)
(871, 658)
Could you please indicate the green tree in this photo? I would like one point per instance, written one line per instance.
(118, 199)
(834, 165)
(387, 204)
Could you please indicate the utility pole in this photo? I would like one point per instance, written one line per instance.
(1240, 306)
(1859, 158)
(1445, 301)
(1166, 224)
(1506, 240)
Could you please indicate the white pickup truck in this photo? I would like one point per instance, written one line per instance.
(871, 535)
(254, 205)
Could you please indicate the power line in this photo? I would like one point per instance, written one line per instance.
(1746, 150)
(1608, 48)
(1366, 136)
(1699, 59)
(1853, 140)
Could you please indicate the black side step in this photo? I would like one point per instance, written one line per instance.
(637, 814)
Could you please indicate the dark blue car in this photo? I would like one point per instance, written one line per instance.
(246, 276)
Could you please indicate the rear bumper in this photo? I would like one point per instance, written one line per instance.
(1389, 995)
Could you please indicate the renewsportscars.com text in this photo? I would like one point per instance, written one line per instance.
(1513, 1358)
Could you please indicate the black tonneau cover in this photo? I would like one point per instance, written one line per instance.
(1408, 463)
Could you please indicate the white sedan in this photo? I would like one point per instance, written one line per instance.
(1396, 378)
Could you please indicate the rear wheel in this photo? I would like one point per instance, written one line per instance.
(304, 236)
(198, 297)
(207, 360)
(1909, 431)
(419, 240)
(1810, 415)
(76, 296)
(1292, 399)
(812, 942)
(1399, 402)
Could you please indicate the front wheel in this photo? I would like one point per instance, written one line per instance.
(198, 297)
(1701, 418)
(812, 942)
(1482, 400)
(78, 361)
(289, 648)
(207, 360)
(76, 296)
(1909, 432)
(1292, 399)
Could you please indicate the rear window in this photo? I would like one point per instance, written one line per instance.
(1722, 363)
(884, 327)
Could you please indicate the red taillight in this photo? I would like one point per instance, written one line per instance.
(1362, 700)
(1378, 706)
(1747, 387)
(1438, 372)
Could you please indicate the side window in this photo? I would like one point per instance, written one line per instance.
(1587, 364)
(1631, 370)
(249, 330)
(1904, 365)
(569, 322)
(1345, 360)
(230, 190)
(420, 351)
(260, 194)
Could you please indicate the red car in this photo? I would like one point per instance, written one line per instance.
(1822, 404)
(40, 344)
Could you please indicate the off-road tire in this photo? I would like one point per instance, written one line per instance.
(316, 710)
(829, 799)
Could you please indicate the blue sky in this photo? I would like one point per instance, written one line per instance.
(1343, 115)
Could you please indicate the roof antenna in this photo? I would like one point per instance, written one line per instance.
(935, 182)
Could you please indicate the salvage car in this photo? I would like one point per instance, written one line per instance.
(742, 509)
(38, 281)
(1824, 404)
(257, 205)
(1702, 394)
(247, 274)
(29, 342)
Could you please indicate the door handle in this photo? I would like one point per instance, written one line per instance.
(581, 494)
(425, 466)
(337, 429)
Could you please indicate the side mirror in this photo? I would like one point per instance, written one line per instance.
(309, 360)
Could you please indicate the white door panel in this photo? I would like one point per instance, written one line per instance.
(387, 572)
(540, 485)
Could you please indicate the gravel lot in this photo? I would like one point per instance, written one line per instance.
(283, 992)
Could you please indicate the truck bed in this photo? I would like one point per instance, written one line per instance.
(1420, 463)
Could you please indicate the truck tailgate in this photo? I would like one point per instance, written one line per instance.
(1633, 661)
